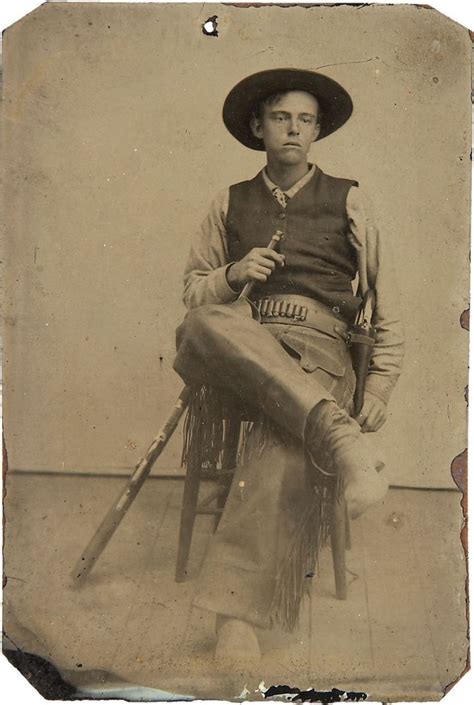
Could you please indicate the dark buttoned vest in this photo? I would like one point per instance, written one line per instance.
(320, 262)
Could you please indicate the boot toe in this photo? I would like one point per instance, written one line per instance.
(364, 490)
(237, 643)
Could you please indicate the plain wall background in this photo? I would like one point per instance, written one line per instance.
(115, 147)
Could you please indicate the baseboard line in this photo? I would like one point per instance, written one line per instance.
(127, 472)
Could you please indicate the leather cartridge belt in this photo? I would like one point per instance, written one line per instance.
(300, 310)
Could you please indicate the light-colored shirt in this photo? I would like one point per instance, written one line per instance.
(205, 280)
(289, 192)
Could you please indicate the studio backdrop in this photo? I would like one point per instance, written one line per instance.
(114, 148)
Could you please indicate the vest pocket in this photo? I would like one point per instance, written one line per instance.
(316, 351)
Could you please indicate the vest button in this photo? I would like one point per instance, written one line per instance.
(282, 216)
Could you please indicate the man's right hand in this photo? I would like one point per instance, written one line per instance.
(257, 265)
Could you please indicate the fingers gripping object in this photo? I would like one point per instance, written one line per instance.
(272, 245)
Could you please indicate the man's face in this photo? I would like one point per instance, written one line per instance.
(288, 127)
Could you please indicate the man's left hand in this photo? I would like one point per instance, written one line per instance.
(373, 414)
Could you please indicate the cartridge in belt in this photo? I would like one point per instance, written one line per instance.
(290, 310)
(264, 308)
(297, 313)
(304, 313)
(283, 308)
(276, 308)
(271, 305)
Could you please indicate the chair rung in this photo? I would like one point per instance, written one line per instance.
(215, 474)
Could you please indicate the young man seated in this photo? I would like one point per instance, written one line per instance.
(283, 349)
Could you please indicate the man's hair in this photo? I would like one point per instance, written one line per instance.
(270, 100)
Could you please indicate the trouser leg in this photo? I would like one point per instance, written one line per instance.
(240, 572)
(223, 345)
(269, 496)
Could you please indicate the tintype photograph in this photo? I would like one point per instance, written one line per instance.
(236, 333)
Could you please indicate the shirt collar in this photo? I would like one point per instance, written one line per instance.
(295, 188)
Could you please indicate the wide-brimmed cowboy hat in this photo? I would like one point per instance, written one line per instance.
(334, 101)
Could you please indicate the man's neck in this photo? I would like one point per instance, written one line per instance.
(285, 176)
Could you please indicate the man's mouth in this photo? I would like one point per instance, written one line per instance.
(292, 144)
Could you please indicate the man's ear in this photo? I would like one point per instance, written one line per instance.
(256, 127)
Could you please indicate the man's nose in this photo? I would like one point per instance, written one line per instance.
(293, 127)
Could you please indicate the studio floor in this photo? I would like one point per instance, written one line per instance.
(401, 634)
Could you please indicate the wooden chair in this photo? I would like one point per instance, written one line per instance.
(340, 531)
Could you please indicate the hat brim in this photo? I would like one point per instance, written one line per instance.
(334, 101)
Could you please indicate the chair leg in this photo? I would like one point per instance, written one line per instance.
(338, 545)
(348, 528)
(188, 515)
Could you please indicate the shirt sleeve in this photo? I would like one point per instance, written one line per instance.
(205, 280)
(374, 248)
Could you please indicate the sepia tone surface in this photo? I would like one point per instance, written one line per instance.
(115, 147)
